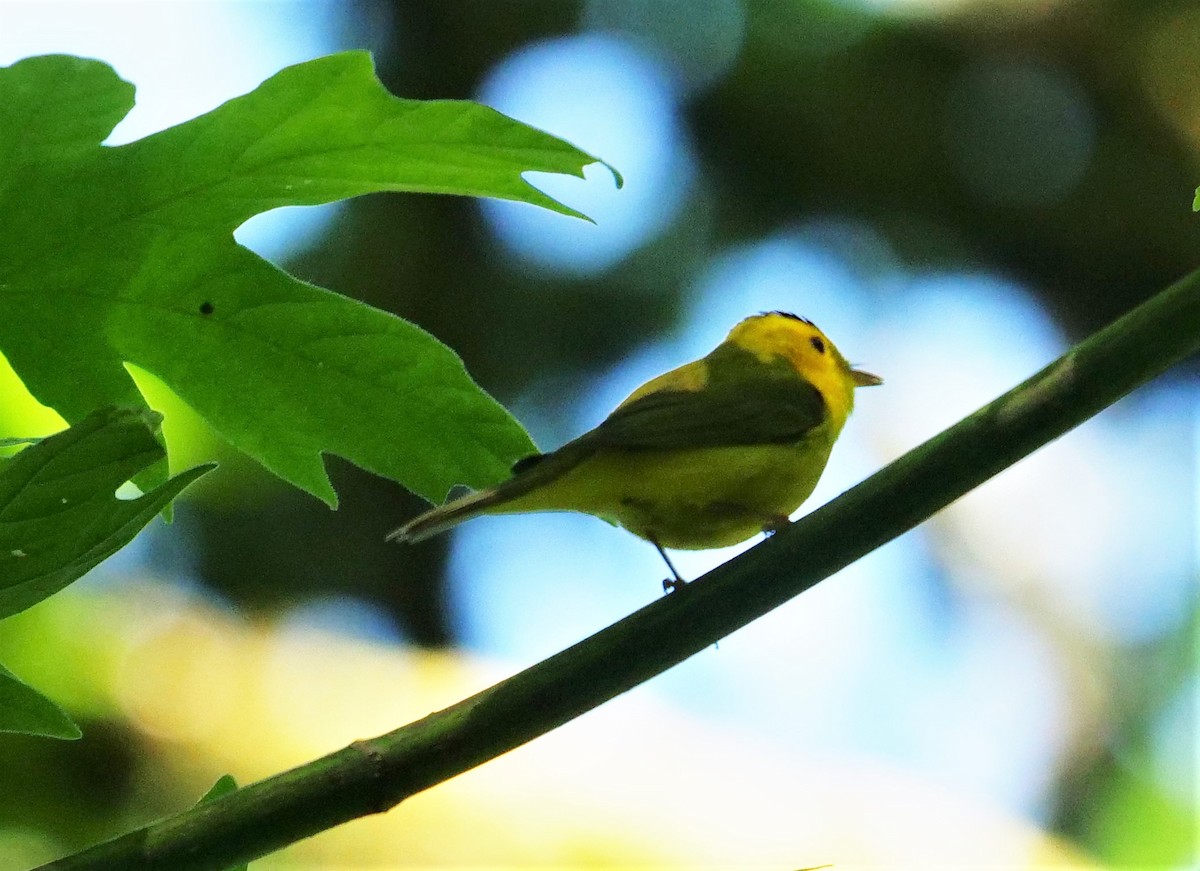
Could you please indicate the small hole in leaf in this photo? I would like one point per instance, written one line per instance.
(128, 492)
(206, 308)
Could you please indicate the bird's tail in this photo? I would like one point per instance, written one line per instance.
(529, 474)
(438, 520)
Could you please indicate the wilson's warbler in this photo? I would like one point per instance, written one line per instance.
(704, 456)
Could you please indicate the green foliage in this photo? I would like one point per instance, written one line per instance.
(126, 254)
(59, 517)
(23, 709)
(1135, 825)
(17, 442)
(225, 784)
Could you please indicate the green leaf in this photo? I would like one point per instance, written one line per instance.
(225, 784)
(89, 100)
(59, 516)
(25, 710)
(126, 254)
(18, 442)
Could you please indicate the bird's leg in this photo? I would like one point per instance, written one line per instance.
(776, 523)
(670, 585)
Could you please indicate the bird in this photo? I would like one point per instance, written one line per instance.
(706, 455)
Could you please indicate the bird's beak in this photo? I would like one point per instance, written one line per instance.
(864, 379)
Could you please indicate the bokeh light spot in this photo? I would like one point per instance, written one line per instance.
(348, 616)
(1173, 743)
(1019, 134)
(1054, 527)
(812, 270)
(173, 680)
(614, 101)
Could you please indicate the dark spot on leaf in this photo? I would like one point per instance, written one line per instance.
(206, 308)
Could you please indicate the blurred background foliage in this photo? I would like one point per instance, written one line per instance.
(954, 189)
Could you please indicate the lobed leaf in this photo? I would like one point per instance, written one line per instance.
(125, 254)
(59, 515)
(25, 710)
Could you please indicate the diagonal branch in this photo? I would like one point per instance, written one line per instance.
(373, 776)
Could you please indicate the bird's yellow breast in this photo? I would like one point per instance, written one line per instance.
(688, 499)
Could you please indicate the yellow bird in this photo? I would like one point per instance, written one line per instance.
(706, 455)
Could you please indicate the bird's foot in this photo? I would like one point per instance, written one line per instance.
(776, 523)
(670, 585)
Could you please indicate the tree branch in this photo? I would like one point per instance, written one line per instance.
(372, 776)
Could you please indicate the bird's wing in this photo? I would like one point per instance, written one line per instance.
(739, 412)
(726, 414)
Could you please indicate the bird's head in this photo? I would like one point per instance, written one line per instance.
(773, 335)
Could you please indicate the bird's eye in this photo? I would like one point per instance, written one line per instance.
(818, 344)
